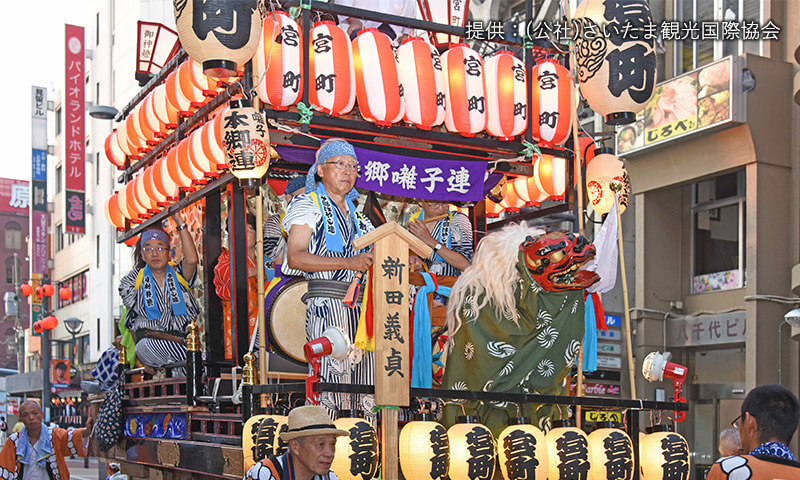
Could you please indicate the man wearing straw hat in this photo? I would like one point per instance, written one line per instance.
(322, 224)
(312, 443)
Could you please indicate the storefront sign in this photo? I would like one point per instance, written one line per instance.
(609, 348)
(59, 373)
(609, 362)
(707, 330)
(595, 389)
(610, 334)
(613, 321)
(37, 201)
(74, 131)
(695, 101)
(601, 375)
(600, 416)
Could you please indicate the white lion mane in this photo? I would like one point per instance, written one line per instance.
(492, 277)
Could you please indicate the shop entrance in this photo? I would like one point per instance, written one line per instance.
(714, 407)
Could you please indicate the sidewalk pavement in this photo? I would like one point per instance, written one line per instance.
(77, 472)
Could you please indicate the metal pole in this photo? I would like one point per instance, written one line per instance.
(263, 360)
(46, 357)
(18, 321)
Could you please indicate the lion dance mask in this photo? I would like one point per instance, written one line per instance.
(516, 318)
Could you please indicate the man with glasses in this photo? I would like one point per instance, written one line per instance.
(770, 416)
(322, 224)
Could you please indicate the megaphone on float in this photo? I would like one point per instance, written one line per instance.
(333, 342)
(656, 367)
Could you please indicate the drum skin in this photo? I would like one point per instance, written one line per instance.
(286, 319)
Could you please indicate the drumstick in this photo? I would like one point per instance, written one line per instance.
(436, 218)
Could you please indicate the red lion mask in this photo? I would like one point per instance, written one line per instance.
(554, 260)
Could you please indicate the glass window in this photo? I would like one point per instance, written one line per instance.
(58, 240)
(58, 178)
(13, 233)
(718, 220)
(58, 121)
(10, 270)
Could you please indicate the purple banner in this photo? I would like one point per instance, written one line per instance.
(412, 177)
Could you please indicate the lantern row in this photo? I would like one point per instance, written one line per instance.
(191, 163)
(413, 82)
(468, 450)
(184, 91)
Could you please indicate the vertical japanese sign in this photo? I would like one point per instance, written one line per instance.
(75, 137)
(38, 196)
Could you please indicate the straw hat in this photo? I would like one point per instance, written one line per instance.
(310, 420)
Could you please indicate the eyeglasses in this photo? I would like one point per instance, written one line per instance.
(154, 249)
(340, 165)
(737, 422)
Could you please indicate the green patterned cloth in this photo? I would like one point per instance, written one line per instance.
(493, 354)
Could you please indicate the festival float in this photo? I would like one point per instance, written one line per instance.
(231, 117)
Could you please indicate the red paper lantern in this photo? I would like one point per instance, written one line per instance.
(26, 289)
(212, 139)
(506, 95)
(552, 103)
(511, 201)
(331, 65)
(50, 322)
(421, 75)
(176, 97)
(125, 144)
(464, 92)
(140, 192)
(135, 209)
(163, 181)
(65, 293)
(131, 241)
(113, 213)
(135, 137)
(493, 209)
(48, 290)
(279, 59)
(122, 200)
(187, 166)
(199, 156)
(37, 327)
(183, 181)
(150, 119)
(166, 112)
(378, 90)
(527, 191)
(39, 292)
(114, 154)
(159, 199)
(187, 86)
(551, 176)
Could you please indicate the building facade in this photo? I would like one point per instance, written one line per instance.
(14, 204)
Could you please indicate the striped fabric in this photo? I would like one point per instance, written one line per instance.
(380, 95)
(331, 68)
(322, 313)
(156, 352)
(461, 234)
(274, 242)
(263, 470)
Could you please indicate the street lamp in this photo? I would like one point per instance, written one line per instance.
(74, 327)
(792, 319)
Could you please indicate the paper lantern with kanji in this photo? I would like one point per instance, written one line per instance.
(568, 452)
(521, 451)
(610, 453)
(616, 70)
(464, 91)
(472, 450)
(378, 89)
(551, 176)
(259, 437)
(424, 449)
(552, 103)
(245, 140)
(664, 455)
(219, 35)
(278, 63)
(506, 95)
(356, 455)
(333, 86)
(421, 75)
(600, 172)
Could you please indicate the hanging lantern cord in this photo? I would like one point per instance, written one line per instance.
(305, 113)
(529, 149)
(294, 12)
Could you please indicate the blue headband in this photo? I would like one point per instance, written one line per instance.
(154, 234)
(328, 150)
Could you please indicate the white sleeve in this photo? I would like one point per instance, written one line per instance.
(259, 471)
(302, 210)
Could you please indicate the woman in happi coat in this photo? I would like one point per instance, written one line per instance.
(322, 223)
(159, 298)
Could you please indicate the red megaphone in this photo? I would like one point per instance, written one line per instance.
(656, 367)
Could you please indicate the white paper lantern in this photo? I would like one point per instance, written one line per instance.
(610, 453)
(424, 449)
(568, 450)
(357, 455)
(601, 170)
(664, 455)
(245, 140)
(472, 450)
(279, 59)
(506, 95)
(332, 76)
(378, 89)
(522, 451)
(464, 93)
(423, 82)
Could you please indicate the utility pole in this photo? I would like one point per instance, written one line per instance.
(19, 331)
(46, 354)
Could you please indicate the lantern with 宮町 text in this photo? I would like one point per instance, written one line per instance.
(219, 35)
(664, 455)
(421, 75)
(333, 89)
(245, 140)
(610, 453)
(448, 12)
(521, 451)
(550, 174)
(261, 433)
(424, 449)
(616, 59)
(506, 95)
(356, 455)
(378, 89)
(278, 63)
(567, 450)
(603, 169)
(552, 103)
(472, 450)
(464, 92)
